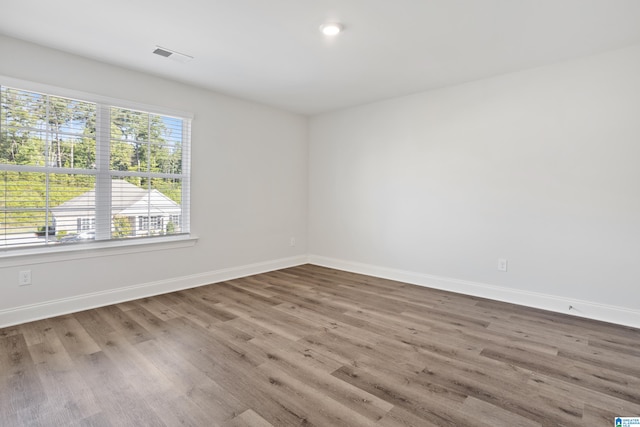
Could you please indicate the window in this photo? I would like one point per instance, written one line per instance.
(143, 223)
(85, 224)
(71, 167)
(155, 223)
(151, 224)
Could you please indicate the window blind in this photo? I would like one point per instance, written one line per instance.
(75, 171)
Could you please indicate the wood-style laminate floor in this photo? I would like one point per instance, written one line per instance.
(315, 346)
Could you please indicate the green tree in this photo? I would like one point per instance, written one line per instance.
(18, 142)
(54, 113)
(121, 227)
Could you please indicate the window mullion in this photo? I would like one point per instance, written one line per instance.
(149, 174)
(49, 140)
(186, 172)
(103, 177)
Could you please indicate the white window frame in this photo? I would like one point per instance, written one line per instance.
(87, 223)
(10, 256)
(155, 222)
(143, 223)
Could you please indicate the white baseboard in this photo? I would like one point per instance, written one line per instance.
(28, 313)
(580, 308)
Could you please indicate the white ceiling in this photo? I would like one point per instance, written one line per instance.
(271, 51)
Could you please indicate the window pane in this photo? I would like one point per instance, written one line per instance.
(19, 146)
(166, 145)
(41, 130)
(21, 108)
(22, 136)
(123, 155)
(142, 142)
(129, 202)
(73, 206)
(129, 139)
(166, 200)
(75, 152)
(143, 208)
(72, 133)
(35, 210)
(22, 209)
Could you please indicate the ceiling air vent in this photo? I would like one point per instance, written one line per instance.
(172, 54)
(162, 52)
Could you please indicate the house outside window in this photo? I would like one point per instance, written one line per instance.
(72, 163)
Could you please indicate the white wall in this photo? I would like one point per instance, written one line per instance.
(540, 167)
(249, 187)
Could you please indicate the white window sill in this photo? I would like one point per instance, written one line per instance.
(76, 251)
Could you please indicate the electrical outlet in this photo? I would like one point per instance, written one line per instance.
(292, 242)
(502, 264)
(24, 278)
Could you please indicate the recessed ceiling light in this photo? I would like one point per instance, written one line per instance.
(331, 29)
(172, 54)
